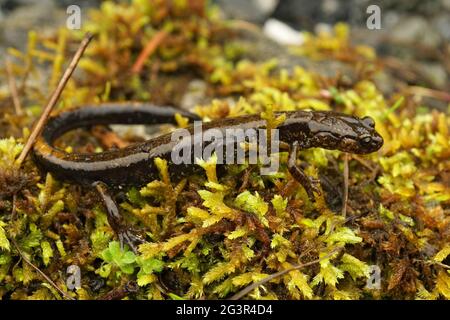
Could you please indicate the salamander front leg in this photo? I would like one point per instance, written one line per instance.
(311, 185)
(115, 220)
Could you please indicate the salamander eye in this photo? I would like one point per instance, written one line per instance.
(368, 121)
(366, 141)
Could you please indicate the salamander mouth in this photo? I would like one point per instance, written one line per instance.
(349, 145)
(376, 143)
(362, 145)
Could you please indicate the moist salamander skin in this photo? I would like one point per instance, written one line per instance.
(134, 165)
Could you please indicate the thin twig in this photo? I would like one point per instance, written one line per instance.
(344, 202)
(442, 264)
(244, 25)
(363, 162)
(50, 281)
(14, 207)
(374, 171)
(427, 92)
(148, 50)
(54, 98)
(13, 88)
(255, 285)
(433, 262)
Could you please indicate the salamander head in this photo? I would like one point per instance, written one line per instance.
(345, 133)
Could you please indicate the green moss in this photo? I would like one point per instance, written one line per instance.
(210, 235)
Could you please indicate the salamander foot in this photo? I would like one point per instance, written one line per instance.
(132, 239)
(311, 185)
(124, 232)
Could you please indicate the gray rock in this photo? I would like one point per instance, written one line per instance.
(446, 4)
(258, 47)
(81, 3)
(414, 29)
(136, 130)
(435, 72)
(195, 94)
(251, 10)
(42, 16)
(8, 5)
(18, 17)
(442, 25)
(304, 14)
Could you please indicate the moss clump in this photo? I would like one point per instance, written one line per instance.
(210, 236)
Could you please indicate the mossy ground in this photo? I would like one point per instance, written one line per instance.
(210, 236)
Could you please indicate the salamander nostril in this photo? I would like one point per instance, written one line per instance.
(377, 141)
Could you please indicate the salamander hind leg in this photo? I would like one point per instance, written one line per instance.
(116, 221)
(311, 185)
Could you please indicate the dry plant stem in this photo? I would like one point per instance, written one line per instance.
(422, 91)
(363, 162)
(433, 262)
(14, 207)
(374, 171)
(442, 265)
(13, 88)
(54, 98)
(244, 25)
(255, 285)
(345, 200)
(148, 50)
(50, 281)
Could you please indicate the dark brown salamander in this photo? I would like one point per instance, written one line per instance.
(134, 165)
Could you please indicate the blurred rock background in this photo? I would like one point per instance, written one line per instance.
(17, 17)
(414, 31)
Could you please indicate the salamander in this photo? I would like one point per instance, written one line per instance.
(134, 165)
